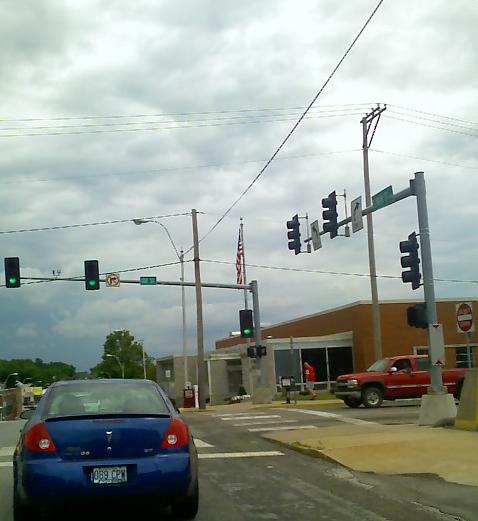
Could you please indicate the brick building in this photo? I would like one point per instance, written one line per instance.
(341, 340)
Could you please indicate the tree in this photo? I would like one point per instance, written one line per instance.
(38, 371)
(124, 351)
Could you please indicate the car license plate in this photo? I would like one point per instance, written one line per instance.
(108, 475)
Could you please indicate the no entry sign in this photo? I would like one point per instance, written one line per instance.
(464, 317)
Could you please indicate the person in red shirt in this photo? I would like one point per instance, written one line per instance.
(309, 379)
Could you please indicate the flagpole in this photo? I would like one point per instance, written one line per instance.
(246, 305)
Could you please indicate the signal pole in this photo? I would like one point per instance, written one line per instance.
(366, 125)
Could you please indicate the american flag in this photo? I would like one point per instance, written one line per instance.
(239, 256)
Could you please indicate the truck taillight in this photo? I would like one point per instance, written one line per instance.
(38, 439)
(176, 436)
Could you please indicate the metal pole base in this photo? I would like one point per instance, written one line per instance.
(437, 410)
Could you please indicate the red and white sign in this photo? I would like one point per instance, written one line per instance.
(464, 318)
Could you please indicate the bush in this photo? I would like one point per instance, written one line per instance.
(242, 391)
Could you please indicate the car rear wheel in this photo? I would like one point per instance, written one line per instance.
(372, 397)
(353, 402)
(187, 508)
(21, 511)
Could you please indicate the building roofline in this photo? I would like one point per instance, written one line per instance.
(355, 304)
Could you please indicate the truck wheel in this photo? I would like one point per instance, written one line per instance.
(353, 402)
(372, 397)
(459, 387)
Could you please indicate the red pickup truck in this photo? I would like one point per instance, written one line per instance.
(393, 378)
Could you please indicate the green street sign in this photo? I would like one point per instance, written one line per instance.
(383, 198)
(147, 281)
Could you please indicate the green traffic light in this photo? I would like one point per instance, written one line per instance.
(12, 280)
(247, 331)
(92, 283)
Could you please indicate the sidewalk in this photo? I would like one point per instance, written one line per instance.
(249, 406)
(392, 449)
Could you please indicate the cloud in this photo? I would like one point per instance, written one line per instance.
(195, 63)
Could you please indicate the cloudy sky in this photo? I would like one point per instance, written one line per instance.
(121, 110)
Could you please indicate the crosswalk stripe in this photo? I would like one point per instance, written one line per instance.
(200, 444)
(271, 422)
(264, 417)
(226, 455)
(232, 414)
(6, 451)
(285, 428)
(6, 464)
(333, 416)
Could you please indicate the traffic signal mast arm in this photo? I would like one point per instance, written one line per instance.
(407, 192)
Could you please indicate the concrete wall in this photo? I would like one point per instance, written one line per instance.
(218, 381)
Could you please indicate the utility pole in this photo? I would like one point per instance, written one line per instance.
(366, 125)
(201, 368)
(183, 306)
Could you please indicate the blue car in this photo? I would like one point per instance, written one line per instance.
(103, 442)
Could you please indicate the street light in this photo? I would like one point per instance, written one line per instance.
(180, 256)
(6, 379)
(119, 362)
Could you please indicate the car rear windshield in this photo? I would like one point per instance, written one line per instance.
(104, 399)
(379, 366)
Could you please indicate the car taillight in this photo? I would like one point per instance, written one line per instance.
(177, 435)
(38, 439)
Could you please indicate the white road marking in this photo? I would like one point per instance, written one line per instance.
(271, 422)
(225, 455)
(200, 444)
(264, 417)
(232, 414)
(332, 416)
(6, 464)
(7, 451)
(291, 428)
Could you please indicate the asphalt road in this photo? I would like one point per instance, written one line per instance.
(245, 477)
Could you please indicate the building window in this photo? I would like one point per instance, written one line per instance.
(462, 359)
(420, 350)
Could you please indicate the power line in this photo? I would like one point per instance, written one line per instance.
(430, 126)
(128, 270)
(65, 226)
(284, 141)
(325, 113)
(180, 168)
(433, 120)
(410, 109)
(423, 159)
(175, 127)
(172, 114)
(322, 272)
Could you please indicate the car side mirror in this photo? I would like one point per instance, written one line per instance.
(26, 415)
(392, 370)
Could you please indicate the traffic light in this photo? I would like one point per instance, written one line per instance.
(12, 272)
(294, 234)
(330, 214)
(417, 316)
(246, 322)
(251, 352)
(412, 261)
(92, 275)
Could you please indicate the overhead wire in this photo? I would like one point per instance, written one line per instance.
(80, 277)
(100, 223)
(294, 127)
(174, 127)
(14, 180)
(324, 272)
